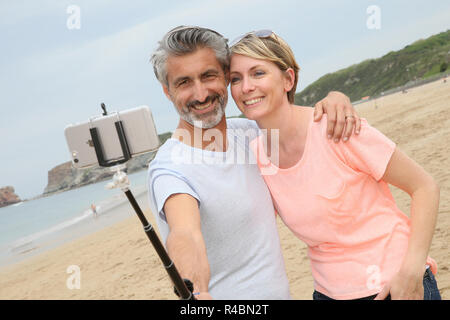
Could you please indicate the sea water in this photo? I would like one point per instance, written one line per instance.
(44, 222)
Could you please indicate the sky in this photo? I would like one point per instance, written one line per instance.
(60, 59)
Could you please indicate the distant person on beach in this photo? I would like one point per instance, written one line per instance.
(216, 217)
(94, 210)
(335, 196)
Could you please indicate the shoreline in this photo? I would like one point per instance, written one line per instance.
(114, 210)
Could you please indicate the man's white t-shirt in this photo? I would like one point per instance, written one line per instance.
(238, 220)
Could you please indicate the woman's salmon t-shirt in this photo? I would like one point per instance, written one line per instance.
(333, 200)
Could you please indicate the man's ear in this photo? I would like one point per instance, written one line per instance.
(166, 92)
(289, 79)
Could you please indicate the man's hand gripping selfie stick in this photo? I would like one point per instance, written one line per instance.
(120, 180)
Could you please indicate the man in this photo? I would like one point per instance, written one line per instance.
(216, 216)
(94, 210)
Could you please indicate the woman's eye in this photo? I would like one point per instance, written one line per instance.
(234, 79)
(259, 73)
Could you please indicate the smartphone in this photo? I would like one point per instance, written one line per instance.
(137, 125)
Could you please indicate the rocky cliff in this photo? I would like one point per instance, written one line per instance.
(64, 177)
(7, 196)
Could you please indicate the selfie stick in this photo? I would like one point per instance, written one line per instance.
(120, 180)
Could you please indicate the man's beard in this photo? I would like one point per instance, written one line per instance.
(207, 120)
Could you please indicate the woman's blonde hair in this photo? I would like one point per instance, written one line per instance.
(272, 48)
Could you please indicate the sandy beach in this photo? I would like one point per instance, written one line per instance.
(118, 262)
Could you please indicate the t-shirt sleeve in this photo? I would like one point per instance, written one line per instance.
(163, 184)
(369, 152)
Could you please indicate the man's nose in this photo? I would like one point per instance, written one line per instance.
(200, 91)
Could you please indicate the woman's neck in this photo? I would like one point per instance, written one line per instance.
(286, 119)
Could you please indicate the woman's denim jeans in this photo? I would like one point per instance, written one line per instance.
(430, 290)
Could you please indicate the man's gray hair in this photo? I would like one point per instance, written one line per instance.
(187, 39)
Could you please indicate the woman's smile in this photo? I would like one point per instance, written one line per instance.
(253, 102)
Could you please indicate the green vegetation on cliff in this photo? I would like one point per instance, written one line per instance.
(420, 59)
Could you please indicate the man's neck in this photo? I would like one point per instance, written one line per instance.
(213, 139)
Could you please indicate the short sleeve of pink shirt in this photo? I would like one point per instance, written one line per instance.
(370, 152)
(333, 200)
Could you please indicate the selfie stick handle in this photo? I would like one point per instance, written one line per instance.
(185, 294)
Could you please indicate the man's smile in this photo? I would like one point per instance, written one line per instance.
(205, 107)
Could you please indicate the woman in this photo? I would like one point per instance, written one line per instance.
(335, 197)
